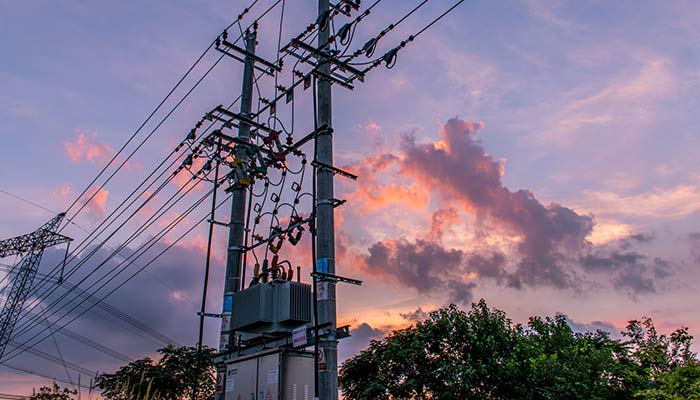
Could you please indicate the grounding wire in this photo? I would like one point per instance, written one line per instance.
(390, 56)
(60, 357)
(369, 50)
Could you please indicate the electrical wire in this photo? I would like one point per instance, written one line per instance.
(142, 268)
(32, 372)
(234, 101)
(162, 121)
(390, 56)
(50, 290)
(182, 79)
(138, 147)
(158, 214)
(50, 358)
(370, 46)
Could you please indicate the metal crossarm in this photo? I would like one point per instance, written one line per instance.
(24, 243)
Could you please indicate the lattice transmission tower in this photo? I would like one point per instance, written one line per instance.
(31, 246)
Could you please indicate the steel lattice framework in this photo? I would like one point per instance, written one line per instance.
(32, 246)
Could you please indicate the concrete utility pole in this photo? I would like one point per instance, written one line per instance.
(234, 257)
(325, 242)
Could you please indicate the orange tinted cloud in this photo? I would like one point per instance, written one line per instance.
(459, 169)
(377, 197)
(97, 206)
(442, 219)
(86, 147)
(371, 194)
(184, 176)
(96, 198)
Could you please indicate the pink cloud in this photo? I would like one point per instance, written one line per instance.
(96, 198)
(372, 194)
(184, 177)
(86, 147)
(458, 169)
(442, 219)
(97, 206)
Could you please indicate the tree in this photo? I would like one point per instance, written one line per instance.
(481, 354)
(665, 365)
(682, 382)
(53, 393)
(562, 364)
(171, 377)
(452, 355)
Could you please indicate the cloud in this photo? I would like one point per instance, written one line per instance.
(458, 168)
(372, 194)
(415, 316)
(519, 243)
(374, 198)
(678, 202)
(693, 239)
(94, 199)
(607, 230)
(634, 280)
(154, 306)
(422, 264)
(96, 208)
(185, 177)
(593, 326)
(627, 98)
(636, 239)
(492, 266)
(428, 266)
(443, 219)
(599, 263)
(359, 339)
(550, 13)
(86, 147)
(374, 130)
(629, 270)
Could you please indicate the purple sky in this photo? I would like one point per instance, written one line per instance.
(539, 154)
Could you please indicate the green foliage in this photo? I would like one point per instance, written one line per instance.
(53, 393)
(171, 377)
(481, 354)
(682, 382)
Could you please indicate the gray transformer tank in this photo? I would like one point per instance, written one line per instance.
(273, 307)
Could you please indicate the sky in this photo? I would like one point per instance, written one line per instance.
(541, 155)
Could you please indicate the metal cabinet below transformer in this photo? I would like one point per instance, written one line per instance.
(270, 375)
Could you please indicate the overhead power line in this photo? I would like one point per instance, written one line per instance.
(139, 254)
(153, 113)
(41, 374)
